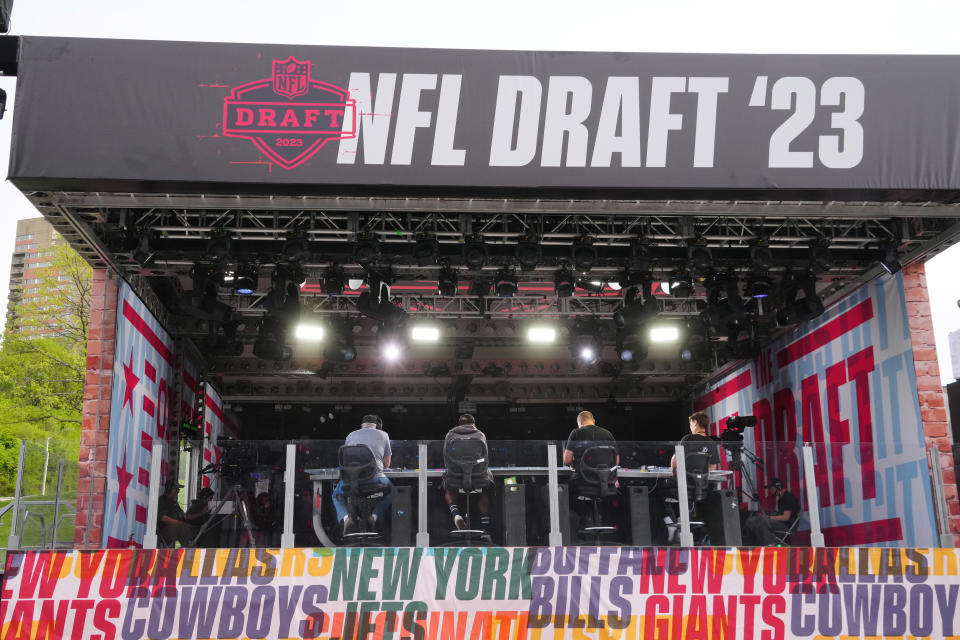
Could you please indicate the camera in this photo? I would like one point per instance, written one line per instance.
(734, 427)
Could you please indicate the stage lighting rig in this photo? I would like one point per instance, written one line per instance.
(474, 252)
(794, 309)
(631, 347)
(821, 258)
(296, 248)
(366, 249)
(585, 343)
(246, 278)
(334, 280)
(271, 339)
(584, 254)
(390, 341)
(699, 256)
(681, 285)
(563, 282)
(592, 285)
(340, 346)
(375, 302)
(724, 305)
(219, 248)
(528, 252)
(889, 256)
(447, 281)
(506, 284)
(426, 248)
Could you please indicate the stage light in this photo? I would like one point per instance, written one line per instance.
(391, 352)
(793, 309)
(759, 285)
(474, 252)
(506, 284)
(333, 280)
(309, 332)
(541, 334)
(630, 348)
(271, 339)
(664, 333)
(724, 305)
(425, 333)
(480, 287)
(889, 257)
(144, 251)
(585, 343)
(426, 249)
(245, 279)
(592, 285)
(292, 273)
(641, 254)
(339, 345)
(447, 282)
(699, 255)
(390, 342)
(355, 284)
(366, 249)
(584, 254)
(564, 283)
(681, 286)
(615, 285)
(528, 252)
(761, 258)
(296, 248)
(376, 303)
(218, 249)
(821, 258)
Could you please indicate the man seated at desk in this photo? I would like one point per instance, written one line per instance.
(587, 434)
(371, 435)
(697, 441)
(466, 429)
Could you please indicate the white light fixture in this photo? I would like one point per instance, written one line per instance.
(391, 352)
(542, 334)
(665, 287)
(309, 332)
(664, 333)
(355, 283)
(425, 333)
(616, 286)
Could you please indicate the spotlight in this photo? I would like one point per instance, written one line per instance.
(375, 303)
(293, 273)
(794, 310)
(889, 257)
(528, 252)
(390, 343)
(296, 248)
(664, 333)
(425, 333)
(638, 306)
(585, 344)
(724, 305)
(541, 334)
(447, 282)
(480, 287)
(699, 255)
(309, 332)
(271, 340)
(759, 285)
(821, 259)
(641, 254)
(681, 286)
(584, 254)
(218, 249)
(339, 345)
(506, 284)
(563, 283)
(474, 252)
(630, 348)
(592, 285)
(333, 280)
(366, 250)
(355, 284)
(426, 249)
(245, 279)
(761, 258)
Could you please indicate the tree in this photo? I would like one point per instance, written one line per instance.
(43, 364)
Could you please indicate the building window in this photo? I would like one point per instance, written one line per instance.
(27, 236)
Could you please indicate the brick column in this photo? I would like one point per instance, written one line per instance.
(95, 428)
(933, 411)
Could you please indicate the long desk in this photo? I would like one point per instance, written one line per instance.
(319, 476)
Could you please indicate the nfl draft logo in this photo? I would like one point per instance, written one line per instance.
(289, 116)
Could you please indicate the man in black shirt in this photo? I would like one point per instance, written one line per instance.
(767, 529)
(697, 441)
(586, 435)
(172, 523)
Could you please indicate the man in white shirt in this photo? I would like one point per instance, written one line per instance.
(370, 435)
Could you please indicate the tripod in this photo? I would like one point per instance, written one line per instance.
(241, 510)
(737, 453)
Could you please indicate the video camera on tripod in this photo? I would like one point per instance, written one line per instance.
(732, 434)
(732, 440)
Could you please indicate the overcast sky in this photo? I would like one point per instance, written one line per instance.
(813, 26)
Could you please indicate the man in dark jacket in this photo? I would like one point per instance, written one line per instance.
(767, 529)
(466, 429)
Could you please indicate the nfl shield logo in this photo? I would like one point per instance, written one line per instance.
(291, 77)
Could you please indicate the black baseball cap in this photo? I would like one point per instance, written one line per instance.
(466, 420)
(776, 483)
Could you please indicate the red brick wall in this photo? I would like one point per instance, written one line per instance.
(929, 389)
(95, 429)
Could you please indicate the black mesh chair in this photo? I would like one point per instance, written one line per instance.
(698, 485)
(467, 472)
(358, 467)
(596, 480)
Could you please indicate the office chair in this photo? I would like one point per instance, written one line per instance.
(467, 472)
(596, 480)
(357, 467)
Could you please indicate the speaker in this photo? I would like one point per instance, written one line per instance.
(641, 534)
(723, 518)
(401, 530)
(514, 515)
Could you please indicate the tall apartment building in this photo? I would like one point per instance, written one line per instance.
(32, 249)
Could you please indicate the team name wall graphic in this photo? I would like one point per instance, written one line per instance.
(140, 408)
(846, 384)
(557, 593)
